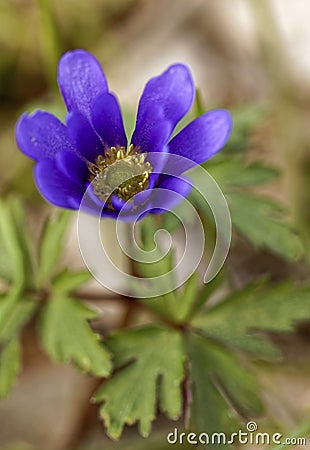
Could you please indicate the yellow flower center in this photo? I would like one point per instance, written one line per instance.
(121, 164)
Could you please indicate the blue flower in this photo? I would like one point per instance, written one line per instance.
(71, 156)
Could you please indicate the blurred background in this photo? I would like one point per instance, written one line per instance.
(245, 55)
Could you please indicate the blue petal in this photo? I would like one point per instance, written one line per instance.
(42, 135)
(107, 120)
(134, 210)
(109, 214)
(84, 136)
(73, 167)
(171, 191)
(173, 90)
(93, 205)
(55, 187)
(153, 132)
(158, 161)
(81, 80)
(117, 202)
(201, 139)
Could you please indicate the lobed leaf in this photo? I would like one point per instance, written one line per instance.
(221, 387)
(145, 356)
(262, 222)
(240, 320)
(67, 336)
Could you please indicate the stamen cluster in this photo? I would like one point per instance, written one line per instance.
(116, 165)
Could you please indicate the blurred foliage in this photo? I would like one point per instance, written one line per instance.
(30, 281)
(56, 26)
(9, 365)
(16, 249)
(254, 311)
(262, 220)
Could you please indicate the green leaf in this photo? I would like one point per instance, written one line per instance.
(262, 222)
(16, 252)
(6, 262)
(52, 244)
(240, 320)
(245, 119)
(163, 305)
(9, 366)
(204, 294)
(66, 335)
(181, 305)
(220, 386)
(149, 354)
(233, 172)
(187, 300)
(67, 281)
(14, 313)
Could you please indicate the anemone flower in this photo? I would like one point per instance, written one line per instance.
(72, 156)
